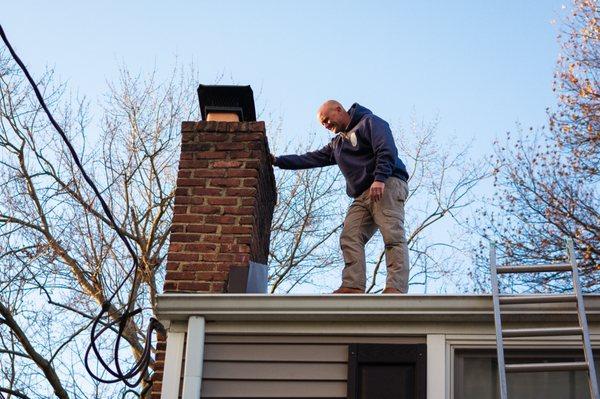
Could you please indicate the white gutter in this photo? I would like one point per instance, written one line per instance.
(385, 308)
(194, 356)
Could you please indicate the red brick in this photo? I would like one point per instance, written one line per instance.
(244, 192)
(235, 248)
(212, 137)
(202, 147)
(201, 228)
(210, 172)
(187, 218)
(238, 210)
(182, 276)
(184, 237)
(230, 146)
(176, 228)
(222, 200)
(205, 209)
(240, 154)
(193, 286)
(252, 164)
(243, 240)
(255, 145)
(190, 182)
(226, 164)
(217, 287)
(188, 126)
(250, 182)
(181, 191)
(218, 239)
(199, 267)
(236, 230)
(218, 257)
(172, 265)
(211, 276)
(249, 136)
(224, 267)
(246, 219)
(202, 247)
(182, 257)
(197, 200)
(179, 209)
(241, 258)
(206, 191)
(193, 164)
(215, 182)
(182, 200)
(223, 219)
(242, 173)
(258, 126)
(175, 247)
(211, 155)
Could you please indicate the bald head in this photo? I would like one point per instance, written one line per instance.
(332, 115)
(328, 105)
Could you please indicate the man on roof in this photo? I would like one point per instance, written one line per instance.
(363, 148)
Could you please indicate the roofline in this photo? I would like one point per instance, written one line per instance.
(443, 308)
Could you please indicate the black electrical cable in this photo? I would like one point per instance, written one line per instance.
(137, 372)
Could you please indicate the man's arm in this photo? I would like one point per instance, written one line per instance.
(384, 148)
(313, 159)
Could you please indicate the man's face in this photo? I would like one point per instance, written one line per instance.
(332, 119)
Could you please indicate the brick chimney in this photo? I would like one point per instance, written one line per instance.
(224, 204)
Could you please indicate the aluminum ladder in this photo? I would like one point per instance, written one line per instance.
(576, 297)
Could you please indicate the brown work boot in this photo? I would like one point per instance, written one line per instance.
(391, 290)
(348, 290)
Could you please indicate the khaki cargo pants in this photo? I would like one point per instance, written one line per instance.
(362, 220)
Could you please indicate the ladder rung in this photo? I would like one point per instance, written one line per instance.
(557, 267)
(541, 332)
(514, 299)
(530, 367)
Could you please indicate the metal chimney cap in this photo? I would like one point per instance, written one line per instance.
(227, 98)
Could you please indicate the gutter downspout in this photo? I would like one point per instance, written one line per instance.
(194, 358)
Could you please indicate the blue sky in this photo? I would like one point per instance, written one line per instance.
(479, 65)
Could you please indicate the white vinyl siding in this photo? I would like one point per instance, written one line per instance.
(238, 366)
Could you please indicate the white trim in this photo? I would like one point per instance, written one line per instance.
(436, 366)
(194, 357)
(488, 341)
(172, 369)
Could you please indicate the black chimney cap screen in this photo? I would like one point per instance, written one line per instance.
(236, 99)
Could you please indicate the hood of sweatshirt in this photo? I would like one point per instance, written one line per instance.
(357, 112)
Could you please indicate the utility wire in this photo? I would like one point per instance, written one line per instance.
(138, 371)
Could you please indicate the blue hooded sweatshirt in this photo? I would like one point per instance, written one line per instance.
(364, 152)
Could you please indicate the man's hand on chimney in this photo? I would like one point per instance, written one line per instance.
(376, 190)
(272, 159)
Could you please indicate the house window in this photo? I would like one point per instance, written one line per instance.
(476, 375)
(377, 371)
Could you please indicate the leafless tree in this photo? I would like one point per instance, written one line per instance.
(541, 199)
(307, 219)
(576, 122)
(441, 185)
(546, 181)
(61, 258)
